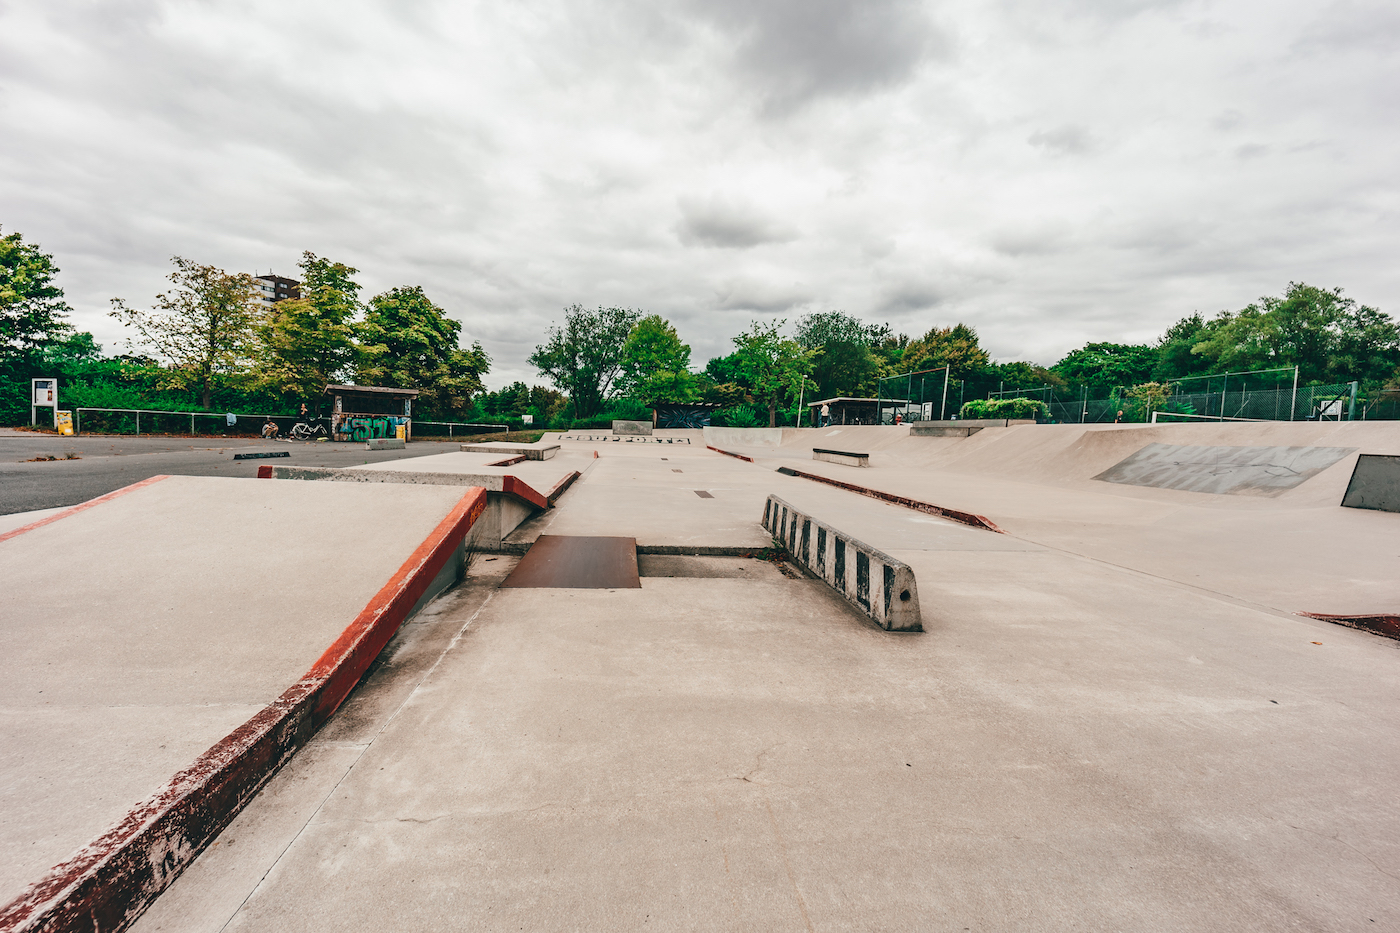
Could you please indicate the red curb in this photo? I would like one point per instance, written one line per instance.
(561, 487)
(265, 472)
(514, 486)
(729, 453)
(509, 461)
(966, 518)
(1384, 623)
(111, 881)
(81, 507)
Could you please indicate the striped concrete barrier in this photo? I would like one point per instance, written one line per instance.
(874, 582)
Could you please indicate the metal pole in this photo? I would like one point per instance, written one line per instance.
(191, 425)
(943, 410)
(879, 396)
(1223, 382)
(1293, 409)
(138, 422)
(1351, 406)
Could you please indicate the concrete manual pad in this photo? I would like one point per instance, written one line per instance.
(589, 562)
(528, 451)
(1255, 471)
(1076, 748)
(142, 630)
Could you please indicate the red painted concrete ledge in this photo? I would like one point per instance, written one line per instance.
(729, 453)
(110, 881)
(966, 518)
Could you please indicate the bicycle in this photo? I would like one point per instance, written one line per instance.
(301, 431)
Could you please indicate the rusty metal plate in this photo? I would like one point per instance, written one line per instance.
(578, 561)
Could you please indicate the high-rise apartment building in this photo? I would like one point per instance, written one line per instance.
(275, 288)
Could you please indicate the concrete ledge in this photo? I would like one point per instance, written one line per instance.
(730, 453)
(110, 881)
(965, 518)
(841, 456)
(263, 455)
(635, 428)
(935, 430)
(973, 423)
(878, 585)
(384, 443)
(528, 451)
(1375, 483)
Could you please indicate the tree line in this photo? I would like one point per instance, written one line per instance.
(208, 343)
(610, 357)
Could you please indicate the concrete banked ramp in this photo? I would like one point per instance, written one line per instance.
(168, 647)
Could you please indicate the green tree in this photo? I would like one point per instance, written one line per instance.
(1151, 396)
(1107, 364)
(309, 342)
(844, 363)
(955, 347)
(202, 328)
(774, 367)
(656, 365)
(32, 310)
(1021, 374)
(407, 342)
(584, 356)
(1328, 336)
(1174, 356)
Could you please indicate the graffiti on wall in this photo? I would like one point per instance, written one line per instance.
(365, 427)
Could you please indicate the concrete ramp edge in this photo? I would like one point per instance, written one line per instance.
(880, 586)
(107, 884)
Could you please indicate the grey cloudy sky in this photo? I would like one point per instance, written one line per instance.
(1050, 172)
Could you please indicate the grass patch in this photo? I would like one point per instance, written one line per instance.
(501, 437)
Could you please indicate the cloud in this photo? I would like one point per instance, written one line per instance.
(1063, 140)
(796, 51)
(1024, 168)
(723, 223)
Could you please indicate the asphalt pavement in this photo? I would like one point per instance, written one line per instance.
(103, 463)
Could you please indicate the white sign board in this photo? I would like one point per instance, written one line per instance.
(43, 393)
(528, 419)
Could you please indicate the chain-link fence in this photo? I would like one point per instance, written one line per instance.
(188, 423)
(1266, 395)
(451, 429)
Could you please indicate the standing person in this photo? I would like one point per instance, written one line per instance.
(826, 414)
(1118, 417)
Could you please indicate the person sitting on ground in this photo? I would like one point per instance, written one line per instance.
(269, 429)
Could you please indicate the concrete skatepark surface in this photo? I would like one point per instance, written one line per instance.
(1113, 720)
(136, 638)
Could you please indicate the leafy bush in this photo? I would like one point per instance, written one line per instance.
(1011, 408)
(741, 416)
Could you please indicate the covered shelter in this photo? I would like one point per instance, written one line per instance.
(854, 410)
(359, 413)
